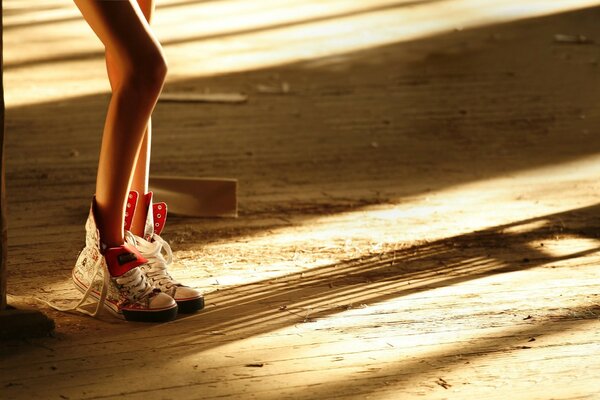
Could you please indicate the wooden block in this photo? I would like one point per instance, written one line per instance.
(231, 98)
(196, 197)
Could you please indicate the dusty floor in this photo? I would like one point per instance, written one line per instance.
(417, 219)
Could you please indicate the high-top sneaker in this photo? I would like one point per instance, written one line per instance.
(159, 253)
(114, 279)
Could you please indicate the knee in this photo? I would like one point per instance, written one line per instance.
(149, 75)
(144, 76)
(156, 71)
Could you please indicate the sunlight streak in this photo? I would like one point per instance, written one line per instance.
(208, 38)
(421, 342)
(390, 228)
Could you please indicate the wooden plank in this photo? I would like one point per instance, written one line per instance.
(196, 197)
(228, 98)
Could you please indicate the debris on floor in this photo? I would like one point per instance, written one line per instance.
(283, 88)
(572, 39)
(232, 98)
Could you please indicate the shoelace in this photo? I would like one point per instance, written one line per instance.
(156, 268)
(82, 301)
(132, 282)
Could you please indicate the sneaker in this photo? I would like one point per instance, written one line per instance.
(159, 254)
(113, 278)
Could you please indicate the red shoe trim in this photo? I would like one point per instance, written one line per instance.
(132, 199)
(159, 211)
(124, 258)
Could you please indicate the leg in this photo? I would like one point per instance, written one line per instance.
(142, 168)
(136, 56)
(136, 70)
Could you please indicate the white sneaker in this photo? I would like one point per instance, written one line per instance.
(113, 278)
(159, 254)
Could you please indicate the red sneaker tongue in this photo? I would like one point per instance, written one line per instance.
(132, 199)
(159, 211)
(156, 214)
(122, 259)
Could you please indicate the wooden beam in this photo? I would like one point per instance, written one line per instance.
(14, 323)
(3, 232)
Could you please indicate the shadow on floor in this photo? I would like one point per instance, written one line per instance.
(299, 298)
(246, 311)
(371, 127)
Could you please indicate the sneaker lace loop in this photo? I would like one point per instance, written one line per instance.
(159, 255)
(134, 284)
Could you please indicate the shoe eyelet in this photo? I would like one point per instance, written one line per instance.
(158, 216)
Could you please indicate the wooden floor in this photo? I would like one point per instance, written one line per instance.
(418, 218)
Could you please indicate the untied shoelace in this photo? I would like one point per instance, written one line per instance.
(156, 268)
(103, 291)
(132, 281)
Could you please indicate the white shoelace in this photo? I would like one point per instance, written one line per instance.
(86, 294)
(132, 282)
(156, 268)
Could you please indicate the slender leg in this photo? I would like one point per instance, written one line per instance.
(142, 168)
(136, 58)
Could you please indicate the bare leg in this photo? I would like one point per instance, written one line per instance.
(139, 69)
(142, 168)
(141, 171)
(140, 182)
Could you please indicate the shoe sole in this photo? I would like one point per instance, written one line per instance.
(189, 306)
(163, 315)
(155, 315)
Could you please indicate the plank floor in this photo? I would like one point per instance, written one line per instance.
(419, 213)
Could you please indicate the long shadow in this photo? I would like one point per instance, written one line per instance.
(406, 372)
(254, 309)
(324, 291)
(310, 153)
(93, 54)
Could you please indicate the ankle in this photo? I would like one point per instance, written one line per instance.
(111, 235)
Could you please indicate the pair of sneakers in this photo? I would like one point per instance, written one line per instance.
(132, 281)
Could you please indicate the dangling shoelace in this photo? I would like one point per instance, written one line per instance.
(132, 282)
(156, 268)
(86, 294)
